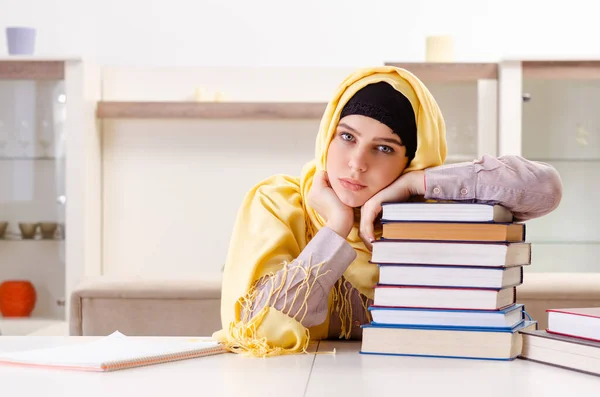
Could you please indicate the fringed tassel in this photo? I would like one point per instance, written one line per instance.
(244, 340)
(243, 334)
(342, 305)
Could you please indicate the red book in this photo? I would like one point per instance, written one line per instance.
(581, 323)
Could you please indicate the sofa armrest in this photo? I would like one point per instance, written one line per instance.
(147, 307)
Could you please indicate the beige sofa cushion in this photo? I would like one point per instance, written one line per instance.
(137, 306)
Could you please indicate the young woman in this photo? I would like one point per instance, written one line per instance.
(298, 264)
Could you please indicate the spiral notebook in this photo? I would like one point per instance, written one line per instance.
(114, 352)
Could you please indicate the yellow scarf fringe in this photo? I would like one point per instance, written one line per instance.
(244, 333)
(342, 305)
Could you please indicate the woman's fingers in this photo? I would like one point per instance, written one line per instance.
(319, 179)
(368, 214)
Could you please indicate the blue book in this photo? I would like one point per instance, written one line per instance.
(478, 343)
(505, 318)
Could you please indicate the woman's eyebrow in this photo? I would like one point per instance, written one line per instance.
(346, 126)
(387, 140)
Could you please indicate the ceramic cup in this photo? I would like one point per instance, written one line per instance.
(48, 229)
(28, 230)
(20, 40)
(3, 227)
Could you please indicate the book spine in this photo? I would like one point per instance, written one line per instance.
(521, 282)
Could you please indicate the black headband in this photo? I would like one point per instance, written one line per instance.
(380, 101)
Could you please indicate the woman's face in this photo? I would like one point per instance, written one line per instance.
(364, 157)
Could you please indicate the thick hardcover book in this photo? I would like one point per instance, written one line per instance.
(451, 253)
(445, 212)
(444, 297)
(561, 351)
(505, 318)
(446, 342)
(453, 231)
(451, 276)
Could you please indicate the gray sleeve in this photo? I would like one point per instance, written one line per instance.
(301, 288)
(529, 189)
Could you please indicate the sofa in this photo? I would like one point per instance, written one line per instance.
(191, 306)
(146, 307)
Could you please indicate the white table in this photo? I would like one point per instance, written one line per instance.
(346, 373)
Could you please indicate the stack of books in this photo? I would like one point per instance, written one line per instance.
(447, 282)
(572, 340)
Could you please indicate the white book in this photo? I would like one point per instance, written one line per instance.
(577, 322)
(474, 342)
(446, 212)
(451, 276)
(506, 318)
(457, 253)
(444, 298)
(562, 351)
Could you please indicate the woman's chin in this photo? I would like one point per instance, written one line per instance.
(351, 200)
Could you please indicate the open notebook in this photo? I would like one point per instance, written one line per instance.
(114, 352)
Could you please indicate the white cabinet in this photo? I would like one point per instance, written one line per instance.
(549, 111)
(49, 176)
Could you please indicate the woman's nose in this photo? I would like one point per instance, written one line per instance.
(358, 161)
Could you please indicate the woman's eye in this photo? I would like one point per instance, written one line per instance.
(347, 137)
(385, 149)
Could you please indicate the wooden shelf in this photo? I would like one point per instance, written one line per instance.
(31, 158)
(449, 72)
(460, 158)
(32, 70)
(556, 70)
(564, 160)
(26, 325)
(13, 239)
(210, 110)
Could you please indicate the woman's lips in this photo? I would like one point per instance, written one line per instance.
(351, 185)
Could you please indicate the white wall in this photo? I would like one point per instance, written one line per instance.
(172, 188)
(310, 32)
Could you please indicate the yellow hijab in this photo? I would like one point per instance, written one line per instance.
(431, 150)
(274, 224)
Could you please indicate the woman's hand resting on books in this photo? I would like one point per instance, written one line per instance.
(407, 185)
(323, 199)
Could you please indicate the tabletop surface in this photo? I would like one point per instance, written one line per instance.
(321, 372)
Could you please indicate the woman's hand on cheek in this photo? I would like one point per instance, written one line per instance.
(407, 185)
(323, 199)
